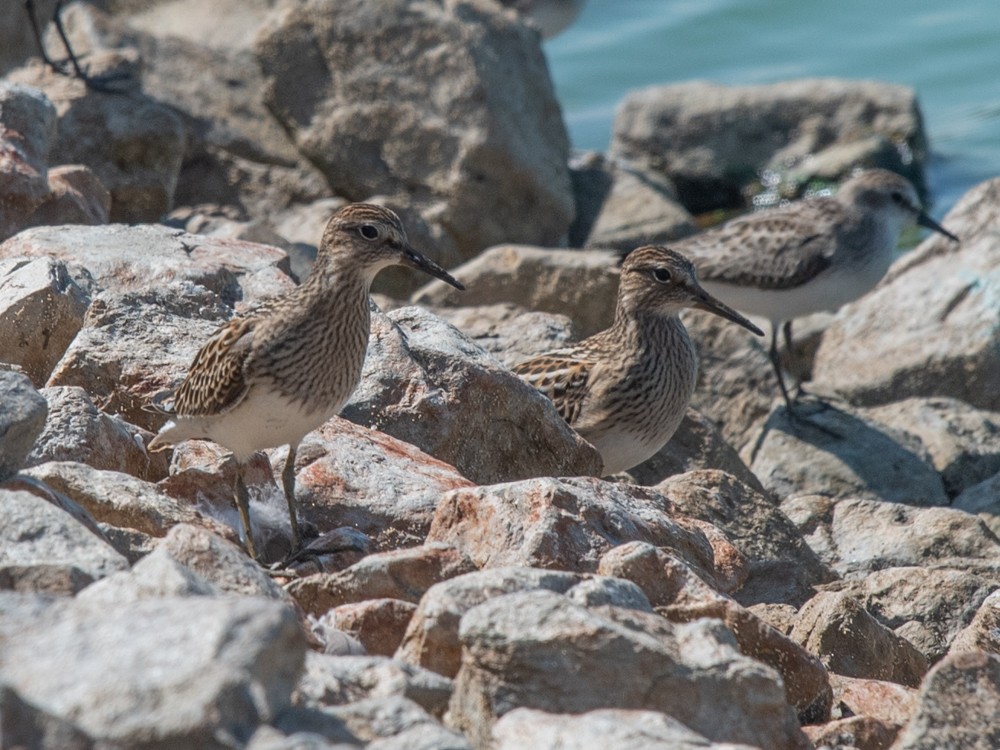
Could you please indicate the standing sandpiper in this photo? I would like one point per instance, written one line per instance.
(809, 256)
(626, 389)
(272, 374)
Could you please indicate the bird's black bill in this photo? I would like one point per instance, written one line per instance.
(428, 266)
(926, 221)
(712, 305)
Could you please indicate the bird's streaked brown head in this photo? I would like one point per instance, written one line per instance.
(658, 280)
(372, 238)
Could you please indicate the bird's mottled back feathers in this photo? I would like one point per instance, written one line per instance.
(215, 381)
(563, 379)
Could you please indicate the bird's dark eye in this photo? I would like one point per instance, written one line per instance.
(662, 275)
(368, 231)
(897, 198)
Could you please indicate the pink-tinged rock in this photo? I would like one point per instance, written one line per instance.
(76, 431)
(41, 310)
(983, 633)
(886, 701)
(76, 196)
(858, 732)
(128, 258)
(379, 624)
(349, 475)
(400, 574)
(562, 524)
(27, 127)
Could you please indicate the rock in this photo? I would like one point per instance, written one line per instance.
(17, 40)
(420, 374)
(957, 706)
(782, 566)
(211, 668)
(562, 524)
(598, 730)
(681, 596)
(155, 576)
(22, 420)
(860, 732)
(888, 702)
(378, 624)
(468, 138)
(338, 680)
(399, 574)
(580, 283)
(44, 549)
(509, 332)
(76, 431)
(133, 258)
(983, 633)
(76, 196)
(697, 444)
(983, 499)
(27, 129)
(623, 206)
(23, 725)
(713, 141)
(135, 345)
(539, 650)
(41, 310)
(929, 606)
(336, 486)
(133, 144)
(119, 499)
(926, 330)
(843, 453)
(859, 536)
(852, 643)
(431, 639)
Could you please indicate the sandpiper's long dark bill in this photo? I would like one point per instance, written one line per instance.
(276, 372)
(708, 303)
(926, 221)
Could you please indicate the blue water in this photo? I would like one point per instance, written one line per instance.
(948, 50)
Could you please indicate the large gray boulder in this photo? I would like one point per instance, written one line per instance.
(22, 419)
(472, 132)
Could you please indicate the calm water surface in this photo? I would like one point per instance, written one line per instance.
(948, 50)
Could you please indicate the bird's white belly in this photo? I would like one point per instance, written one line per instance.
(623, 449)
(264, 419)
(828, 291)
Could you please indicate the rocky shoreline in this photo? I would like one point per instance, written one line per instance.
(760, 583)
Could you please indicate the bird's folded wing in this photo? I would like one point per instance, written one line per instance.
(563, 380)
(216, 383)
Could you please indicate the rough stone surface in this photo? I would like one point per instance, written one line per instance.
(783, 568)
(713, 141)
(23, 725)
(44, 549)
(400, 574)
(885, 701)
(599, 730)
(22, 418)
(481, 145)
(983, 633)
(155, 576)
(419, 374)
(929, 328)
(337, 680)
(852, 643)
(562, 524)
(76, 196)
(27, 128)
(188, 672)
(580, 283)
(76, 431)
(378, 624)
(566, 656)
(41, 310)
(957, 706)
(860, 732)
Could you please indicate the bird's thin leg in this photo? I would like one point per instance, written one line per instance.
(29, 6)
(243, 506)
(776, 364)
(288, 483)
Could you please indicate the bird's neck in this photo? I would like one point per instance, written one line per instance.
(648, 333)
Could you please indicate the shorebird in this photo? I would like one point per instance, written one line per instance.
(626, 389)
(808, 256)
(269, 376)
